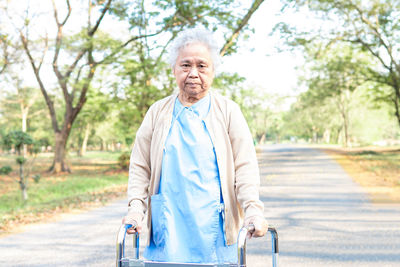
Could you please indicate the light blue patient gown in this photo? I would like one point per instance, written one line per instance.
(187, 213)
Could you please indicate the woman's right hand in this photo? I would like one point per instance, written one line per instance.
(134, 219)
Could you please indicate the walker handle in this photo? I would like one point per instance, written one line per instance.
(121, 243)
(241, 242)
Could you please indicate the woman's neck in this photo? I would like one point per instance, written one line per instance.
(187, 100)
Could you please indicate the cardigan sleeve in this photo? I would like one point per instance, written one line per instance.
(247, 177)
(140, 167)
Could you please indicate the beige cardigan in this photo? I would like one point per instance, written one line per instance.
(235, 152)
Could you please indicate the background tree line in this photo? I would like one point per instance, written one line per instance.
(352, 70)
(97, 66)
(131, 57)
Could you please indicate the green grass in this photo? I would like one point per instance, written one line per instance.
(95, 178)
(98, 155)
(49, 193)
(98, 159)
(380, 161)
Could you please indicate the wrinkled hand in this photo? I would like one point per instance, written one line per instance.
(133, 218)
(260, 226)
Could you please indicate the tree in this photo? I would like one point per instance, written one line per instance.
(76, 57)
(4, 60)
(261, 110)
(73, 86)
(337, 75)
(19, 105)
(311, 120)
(95, 111)
(18, 139)
(370, 26)
(145, 77)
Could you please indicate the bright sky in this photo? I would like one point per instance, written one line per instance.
(258, 59)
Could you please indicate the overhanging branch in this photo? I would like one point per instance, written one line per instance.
(229, 42)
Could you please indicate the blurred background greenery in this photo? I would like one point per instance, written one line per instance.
(78, 76)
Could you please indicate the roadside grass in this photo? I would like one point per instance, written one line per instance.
(377, 169)
(95, 180)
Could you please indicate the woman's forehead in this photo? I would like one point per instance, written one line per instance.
(195, 50)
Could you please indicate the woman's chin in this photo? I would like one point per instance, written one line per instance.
(195, 91)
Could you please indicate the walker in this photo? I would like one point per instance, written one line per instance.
(122, 261)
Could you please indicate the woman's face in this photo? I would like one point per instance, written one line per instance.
(194, 70)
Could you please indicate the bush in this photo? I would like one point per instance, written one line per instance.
(21, 160)
(5, 170)
(36, 178)
(123, 160)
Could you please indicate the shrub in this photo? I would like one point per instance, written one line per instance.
(123, 160)
(36, 178)
(5, 170)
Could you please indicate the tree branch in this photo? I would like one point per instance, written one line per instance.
(103, 13)
(46, 42)
(3, 41)
(49, 102)
(377, 34)
(116, 51)
(76, 82)
(256, 4)
(62, 81)
(84, 50)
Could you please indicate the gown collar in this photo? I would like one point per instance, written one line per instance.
(200, 108)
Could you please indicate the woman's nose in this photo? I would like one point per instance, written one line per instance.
(193, 72)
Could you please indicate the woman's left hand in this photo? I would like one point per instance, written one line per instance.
(260, 226)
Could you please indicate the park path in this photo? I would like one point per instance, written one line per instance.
(322, 217)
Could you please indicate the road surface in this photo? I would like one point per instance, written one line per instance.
(323, 219)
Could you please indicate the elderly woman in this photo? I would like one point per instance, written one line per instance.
(193, 167)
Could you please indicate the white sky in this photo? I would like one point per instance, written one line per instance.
(258, 59)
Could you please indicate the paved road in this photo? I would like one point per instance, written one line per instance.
(323, 219)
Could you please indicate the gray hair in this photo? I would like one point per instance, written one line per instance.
(191, 36)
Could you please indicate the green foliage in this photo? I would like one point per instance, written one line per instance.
(5, 170)
(95, 112)
(123, 160)
(144, 77)
(17, 139)
(21, 160)
(262, 111)
(36, 178)
(129, 67)
(23, 107)
(54, 194)
(367, 26)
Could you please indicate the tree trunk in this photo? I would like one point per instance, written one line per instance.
(24, 128)
(59, 162)
(345, 118)
(85, 140)
(262, 139)
(396, 102)
(24, 191)
(327, 136)
(22, 182)
(112, 146)
(346, 132)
